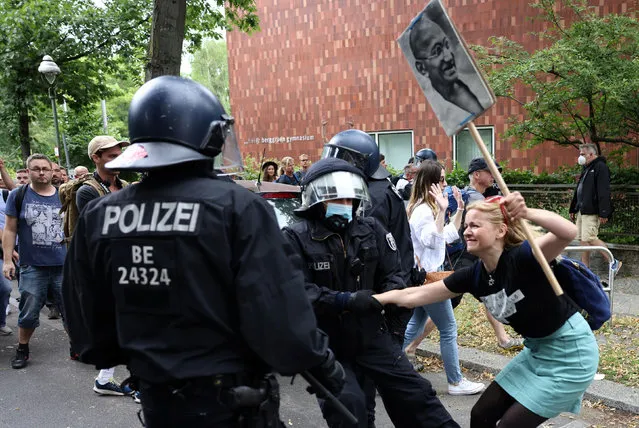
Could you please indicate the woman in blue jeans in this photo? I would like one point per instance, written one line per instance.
(426, 210)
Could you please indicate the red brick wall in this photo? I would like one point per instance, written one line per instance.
(339, 62)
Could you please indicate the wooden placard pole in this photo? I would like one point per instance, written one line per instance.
(504, 190)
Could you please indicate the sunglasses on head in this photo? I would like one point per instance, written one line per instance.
(498, 200)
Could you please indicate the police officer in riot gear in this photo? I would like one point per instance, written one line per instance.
(185, 278)
(387, 206)
(421, 156)
(424, 154)
(346, 258)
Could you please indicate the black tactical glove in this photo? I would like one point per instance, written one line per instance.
(362, 302)
(417, 276)
(330, 374)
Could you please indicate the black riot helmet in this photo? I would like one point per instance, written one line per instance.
(359, 149)
(425, 154)
(173, 120)
(330, 179)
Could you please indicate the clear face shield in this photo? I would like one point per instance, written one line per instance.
(337, 185)
(357, 159)
(229, 161)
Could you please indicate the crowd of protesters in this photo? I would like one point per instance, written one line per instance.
(285, 172)
(35, 237)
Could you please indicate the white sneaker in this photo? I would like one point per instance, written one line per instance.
(5, 331)
(8, 310)
(465, 387)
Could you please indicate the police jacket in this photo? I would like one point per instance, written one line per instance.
(388, 207)
(365, 258)
(180, 283)
(595, 190)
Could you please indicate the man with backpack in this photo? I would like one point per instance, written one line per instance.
(32, 214)
(481, 179)
(74, 196)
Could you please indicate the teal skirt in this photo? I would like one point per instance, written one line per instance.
(552, 373)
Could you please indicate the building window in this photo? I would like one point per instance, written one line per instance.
(396, 146)
(465, 148)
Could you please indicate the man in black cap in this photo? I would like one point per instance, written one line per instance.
(186, 278)
(480, 187)
(481, 179)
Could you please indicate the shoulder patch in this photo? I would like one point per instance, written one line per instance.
(391, 241)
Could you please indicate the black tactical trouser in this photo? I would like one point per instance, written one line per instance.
(204, 403)
(408, 398)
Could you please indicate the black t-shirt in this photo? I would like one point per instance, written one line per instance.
(519, 293)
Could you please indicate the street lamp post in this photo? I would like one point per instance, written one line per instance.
(50, 71)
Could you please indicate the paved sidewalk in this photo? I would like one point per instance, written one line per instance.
(625, 304)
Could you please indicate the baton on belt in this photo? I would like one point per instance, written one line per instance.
(326, 394)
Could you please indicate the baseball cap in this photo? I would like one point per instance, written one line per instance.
(102, 142)
(479, 164)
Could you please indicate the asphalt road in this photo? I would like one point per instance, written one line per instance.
(53, 391)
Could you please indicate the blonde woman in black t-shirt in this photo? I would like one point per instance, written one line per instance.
(560, 354)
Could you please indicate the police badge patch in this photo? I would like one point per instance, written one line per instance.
(391, 241)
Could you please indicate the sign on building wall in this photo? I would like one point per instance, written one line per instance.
(280, 139)
(447, 74)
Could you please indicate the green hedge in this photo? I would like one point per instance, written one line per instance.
(625, 221)
(457, 177)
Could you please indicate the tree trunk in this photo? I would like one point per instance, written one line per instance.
(167, 35)
(25, 142)
(23, 122)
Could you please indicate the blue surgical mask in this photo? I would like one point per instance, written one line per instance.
(344, 211)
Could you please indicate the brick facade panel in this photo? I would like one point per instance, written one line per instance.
(339, 62)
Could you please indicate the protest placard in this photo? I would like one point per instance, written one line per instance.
(455, 89)
(444, 69)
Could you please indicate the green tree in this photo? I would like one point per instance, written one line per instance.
(210, 67)
(582, 87)
(177, 20)
(99, 48)
(85, 40)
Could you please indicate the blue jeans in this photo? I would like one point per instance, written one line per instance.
(443, 317)
(34, 283)
(5, 293)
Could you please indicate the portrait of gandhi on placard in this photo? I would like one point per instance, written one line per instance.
(444, 69)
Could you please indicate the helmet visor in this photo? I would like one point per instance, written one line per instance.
(336, 185)
(229, 161)
(357, 159)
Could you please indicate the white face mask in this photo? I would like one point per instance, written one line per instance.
(581, 160)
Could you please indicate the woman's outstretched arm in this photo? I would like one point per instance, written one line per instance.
(416, 296)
